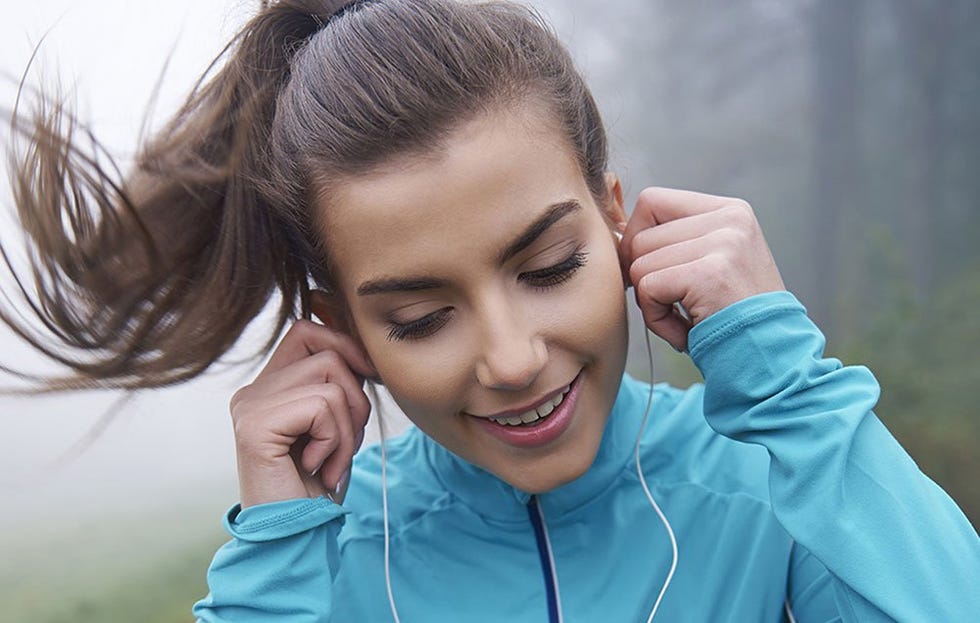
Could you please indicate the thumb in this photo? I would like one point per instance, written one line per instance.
(670, 323)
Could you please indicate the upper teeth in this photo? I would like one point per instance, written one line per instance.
(534, 414)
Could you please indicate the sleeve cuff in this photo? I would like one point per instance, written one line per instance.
(277, 520)
(738, 316)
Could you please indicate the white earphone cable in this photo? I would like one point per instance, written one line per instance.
(384, 511)
(646, 489)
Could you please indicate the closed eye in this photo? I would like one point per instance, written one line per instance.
(420, 327)
(555, 275)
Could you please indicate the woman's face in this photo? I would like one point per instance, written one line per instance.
(484, 283)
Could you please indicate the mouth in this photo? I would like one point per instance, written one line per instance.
(537, 425)
(530, 416)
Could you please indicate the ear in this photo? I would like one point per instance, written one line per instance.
(615, 216)
(613, 210)
(331, 310)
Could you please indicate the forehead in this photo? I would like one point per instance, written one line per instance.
(429, 215)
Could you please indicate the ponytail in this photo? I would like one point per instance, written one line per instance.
(145, 280)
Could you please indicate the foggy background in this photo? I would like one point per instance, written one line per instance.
(853, 128)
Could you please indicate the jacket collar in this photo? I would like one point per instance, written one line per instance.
(493, 498)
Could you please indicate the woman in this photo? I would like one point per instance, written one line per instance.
(429, 180)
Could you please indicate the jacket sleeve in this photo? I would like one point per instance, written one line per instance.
(279, 565)
(895, 545)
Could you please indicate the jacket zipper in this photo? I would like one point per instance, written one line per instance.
(547, 559)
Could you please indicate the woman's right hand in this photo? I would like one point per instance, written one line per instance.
(299, 423)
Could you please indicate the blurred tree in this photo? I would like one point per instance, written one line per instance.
(923, 46)
(835, 29)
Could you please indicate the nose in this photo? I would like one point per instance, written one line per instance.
(513, 354)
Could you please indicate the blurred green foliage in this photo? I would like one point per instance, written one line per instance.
(924, 354)
(113, 570)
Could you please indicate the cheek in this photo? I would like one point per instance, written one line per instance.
(425, 382)
(593, 312)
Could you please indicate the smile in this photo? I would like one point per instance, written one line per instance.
(532, 415)
(538, 425)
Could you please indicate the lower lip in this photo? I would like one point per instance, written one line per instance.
(547, 430)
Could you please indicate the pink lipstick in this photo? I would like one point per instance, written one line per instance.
(538, 425)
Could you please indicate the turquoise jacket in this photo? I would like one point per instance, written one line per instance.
(788, 498)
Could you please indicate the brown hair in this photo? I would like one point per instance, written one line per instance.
(148, 279)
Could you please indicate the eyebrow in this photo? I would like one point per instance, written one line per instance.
(534, 231)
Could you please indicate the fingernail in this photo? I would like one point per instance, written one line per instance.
(342, 483)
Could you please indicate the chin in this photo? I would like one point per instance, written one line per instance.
(551, 473)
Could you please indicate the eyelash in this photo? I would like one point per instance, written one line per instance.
(555, 275)
(542, 279)
(420, 328)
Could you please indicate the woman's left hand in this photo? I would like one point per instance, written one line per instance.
(701, 251)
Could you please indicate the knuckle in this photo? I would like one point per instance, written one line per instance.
(715, 264)
(731, 238)
(237, 399)
(740, 212)
(642, 240)
(303, 324)
(648, 194)
(741, 204)
(306, 329)
(333, 394)
(645, 286)
(320, 403)
(299, 328)
(330, 358)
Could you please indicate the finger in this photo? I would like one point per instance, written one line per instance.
(322, 368)
(672, 232)
(656, 206)
(333, 465)
(317, 415)
(657, 294)
(676, 254)
(324, 436)
(673, 329)
(307, 338)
